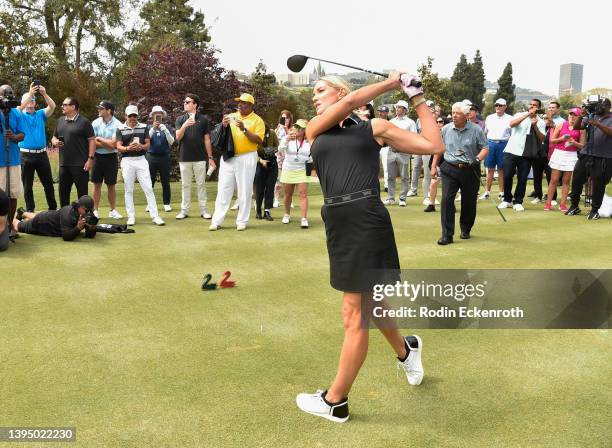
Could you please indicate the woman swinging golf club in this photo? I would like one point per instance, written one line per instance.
(357, 224)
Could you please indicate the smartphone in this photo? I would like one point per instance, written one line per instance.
(281, 121)
(540, 111)
(136, 140)
(158, 117)
(566, 137)
(61, 139)
(36, 82)
(192, 116)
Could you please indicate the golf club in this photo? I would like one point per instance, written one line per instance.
(297, 62)
(493, 201)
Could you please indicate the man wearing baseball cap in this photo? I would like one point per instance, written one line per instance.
(398, 162)
(67, 222)
(106, 164)
(497, 127)
(247, 130)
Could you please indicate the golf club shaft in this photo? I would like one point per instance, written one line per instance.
(493, 201)
(351, 66)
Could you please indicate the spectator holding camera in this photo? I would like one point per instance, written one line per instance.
(33, 148)
(106, 164)
(285, 122)
(76, 140)
(568, 141)
(67, 222)
(133, 142)
(294, 175)
(524, 143)
(158, 156)
(10, 168)
(595, 160)
(266, 174)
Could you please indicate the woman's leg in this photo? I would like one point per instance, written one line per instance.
(552, 187)
(288, 197)
(567, 177)
(354, 348)
(303, 193)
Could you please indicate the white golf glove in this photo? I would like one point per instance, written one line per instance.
(410, 90)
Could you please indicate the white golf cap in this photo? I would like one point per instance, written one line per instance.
(158, 109)
(500, 101)
(402, 103)
(130, 110)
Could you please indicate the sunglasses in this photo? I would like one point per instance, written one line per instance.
(499, 105)
(67, 104)
(187, 101)
(132, 115)
(439, 121)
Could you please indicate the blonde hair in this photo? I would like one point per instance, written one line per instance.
(337, 83)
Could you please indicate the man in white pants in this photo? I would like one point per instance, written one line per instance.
(133, 143)
(398, 163)
(247, 130)
(383, 112)
(193, 135)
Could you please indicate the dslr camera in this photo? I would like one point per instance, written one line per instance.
(8, 102)
(594, 104)
(90, 218)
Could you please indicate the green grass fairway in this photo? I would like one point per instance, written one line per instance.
(115, 337)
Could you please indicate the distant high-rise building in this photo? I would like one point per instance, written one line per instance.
(570, 79)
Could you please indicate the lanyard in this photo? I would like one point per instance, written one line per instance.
(297, 152)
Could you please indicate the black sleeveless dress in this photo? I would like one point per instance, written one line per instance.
(358, 226)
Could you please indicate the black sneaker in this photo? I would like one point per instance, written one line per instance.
(268, 216)
(593, 215)
(573, 211)
(430, 208)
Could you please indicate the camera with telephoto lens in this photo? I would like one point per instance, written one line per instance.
(90, 218)
(594, 104)
(8, 102)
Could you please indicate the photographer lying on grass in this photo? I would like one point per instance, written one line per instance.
(67, 222)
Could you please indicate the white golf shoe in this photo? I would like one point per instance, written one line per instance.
(315, 404)
(412, 365)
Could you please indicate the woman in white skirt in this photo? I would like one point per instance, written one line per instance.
(567, 143)
(296, 150)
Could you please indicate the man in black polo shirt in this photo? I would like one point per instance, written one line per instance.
(67, 222)
(75, 138)
(193, 135)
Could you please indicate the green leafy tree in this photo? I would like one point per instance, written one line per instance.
(462, 70)
(506, 88)
(476, 81)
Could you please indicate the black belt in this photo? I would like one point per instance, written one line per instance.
(351, 196)
(461, 165)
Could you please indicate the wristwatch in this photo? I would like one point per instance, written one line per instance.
(91, 157)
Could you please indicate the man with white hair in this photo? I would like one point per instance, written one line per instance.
(398, 162)
(466, 147)
(33, 147)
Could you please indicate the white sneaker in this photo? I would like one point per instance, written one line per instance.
(96, 213)
(485, 195)
(436, 202)
(236, 206)
(554, 203)
(285, 219)
(206, 215)
(241, 227)
(411, 193)
(413, 365)
(158, 221)
(304, 223)
(167, 208)
(518, 208)
(503, 204)
(402, 203)
(213, 227)
(426, 201)
(500, 195)
(131, 221)
(536, 201)
(182, 215)
(315, 404)
(115, 214)
(389, 201)
(275, 203)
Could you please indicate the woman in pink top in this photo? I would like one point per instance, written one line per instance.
(567, 143)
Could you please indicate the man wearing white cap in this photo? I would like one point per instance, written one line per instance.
(397, 162)
(247, 130)
(497, 127)
(133, 142)
(158, 156)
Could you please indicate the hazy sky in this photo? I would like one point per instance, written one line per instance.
(375, 34)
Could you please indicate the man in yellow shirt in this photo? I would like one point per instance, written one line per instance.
(239, 171)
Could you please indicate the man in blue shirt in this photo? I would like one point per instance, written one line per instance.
(10, 163)
(33, 148)
(105, 162)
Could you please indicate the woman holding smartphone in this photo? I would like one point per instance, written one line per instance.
(567, 143)
(357, 224)
(285, 123)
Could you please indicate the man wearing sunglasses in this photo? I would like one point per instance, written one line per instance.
(497, 128)
(76, 140)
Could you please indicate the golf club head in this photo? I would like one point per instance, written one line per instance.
(296, 62)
